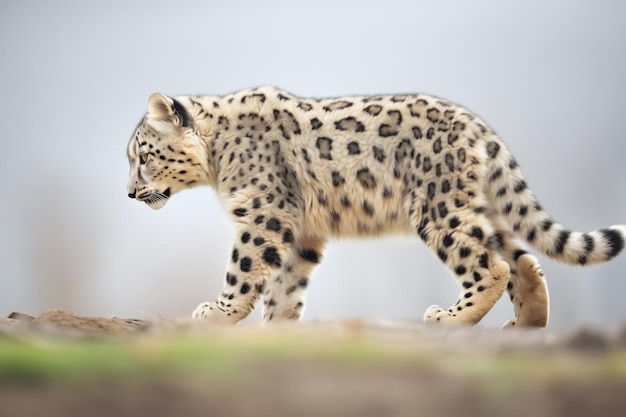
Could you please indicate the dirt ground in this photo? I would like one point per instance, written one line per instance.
(414, 370)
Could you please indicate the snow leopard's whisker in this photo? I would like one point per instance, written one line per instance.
(160, 196)
(155, 198)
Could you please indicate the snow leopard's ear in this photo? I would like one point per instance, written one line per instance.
(164, 108)
(161, 107)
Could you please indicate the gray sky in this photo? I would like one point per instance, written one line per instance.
(75, 78)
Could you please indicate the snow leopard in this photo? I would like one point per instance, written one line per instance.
(294, 172)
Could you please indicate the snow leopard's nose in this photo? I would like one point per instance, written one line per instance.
(133, 194)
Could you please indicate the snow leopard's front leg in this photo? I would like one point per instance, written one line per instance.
(283, 298)
(262, 244)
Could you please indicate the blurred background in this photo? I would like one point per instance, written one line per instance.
(74, 81)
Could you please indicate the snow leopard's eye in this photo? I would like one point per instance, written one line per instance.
(143, 158)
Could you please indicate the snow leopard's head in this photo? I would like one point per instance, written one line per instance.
(165, 153)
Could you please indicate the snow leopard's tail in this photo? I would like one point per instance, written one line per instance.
(516, 204)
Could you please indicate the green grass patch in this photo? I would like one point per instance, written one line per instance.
(232, 356)
(131, 357)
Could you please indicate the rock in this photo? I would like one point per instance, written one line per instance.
(586, 340)
(20, 316)
(93, 325)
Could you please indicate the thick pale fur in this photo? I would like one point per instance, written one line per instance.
(293, 172)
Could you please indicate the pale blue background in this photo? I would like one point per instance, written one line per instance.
(75, 77)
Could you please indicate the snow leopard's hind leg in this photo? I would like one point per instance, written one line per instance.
(529, 294)
(527, 287)
(462, 238)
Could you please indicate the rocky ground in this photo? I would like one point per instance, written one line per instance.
(60, 364)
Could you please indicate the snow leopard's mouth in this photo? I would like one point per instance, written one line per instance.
(155, 200)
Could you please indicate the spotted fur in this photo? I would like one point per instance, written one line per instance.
(293, 172)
